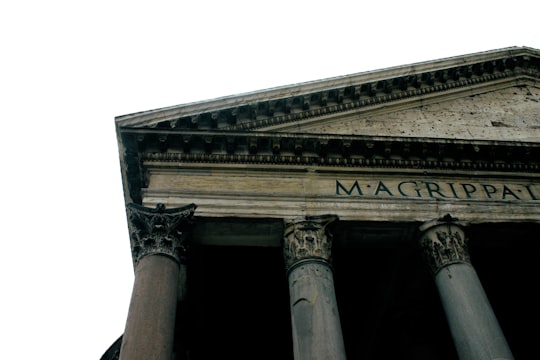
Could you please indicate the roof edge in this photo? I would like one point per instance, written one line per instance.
(161, 114)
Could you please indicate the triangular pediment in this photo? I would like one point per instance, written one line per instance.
(506, 114)
(483, 96)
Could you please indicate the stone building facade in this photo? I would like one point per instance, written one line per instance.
(385, 214)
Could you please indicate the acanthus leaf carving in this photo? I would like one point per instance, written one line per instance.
(159, 231)
(308, 239)
(444, 244)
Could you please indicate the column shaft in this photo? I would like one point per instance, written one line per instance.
(315, 319)
(158, 246)
(474, 327)
(149, 332)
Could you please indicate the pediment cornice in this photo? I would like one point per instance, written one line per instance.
(397, 87)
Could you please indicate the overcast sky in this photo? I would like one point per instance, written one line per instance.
(69, 67)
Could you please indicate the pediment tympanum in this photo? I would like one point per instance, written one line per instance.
(507, 114)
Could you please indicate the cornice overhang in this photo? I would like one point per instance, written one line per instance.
(399, 86)
(173, 148)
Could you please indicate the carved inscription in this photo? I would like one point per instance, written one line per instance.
(437, 190)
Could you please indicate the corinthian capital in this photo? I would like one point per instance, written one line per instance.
(307, 239)
(159, 231)
(444, 243)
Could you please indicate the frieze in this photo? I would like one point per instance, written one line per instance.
(342, 187)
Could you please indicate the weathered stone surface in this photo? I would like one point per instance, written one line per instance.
(159, 231)
(506, 114)
(315, 317)
(404, 196)
(475, 329)
(308, 239)
(473, 324)
(150, 324)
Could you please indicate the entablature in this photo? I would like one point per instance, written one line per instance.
(158, 146)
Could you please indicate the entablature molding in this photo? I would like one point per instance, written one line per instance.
(144, 147)
(334, 150)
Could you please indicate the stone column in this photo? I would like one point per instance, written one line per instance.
(316, 326)
(158, 245)
(474, 327)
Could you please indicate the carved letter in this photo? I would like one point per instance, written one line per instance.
(469, 189)
(435, 190)
(382, 187)
(348, 192)
(489, 189)
(408, 182)
(528, 187)
(507, 191)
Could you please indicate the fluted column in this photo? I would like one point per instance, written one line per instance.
(314, 314)
(474, 327)
(158, 245)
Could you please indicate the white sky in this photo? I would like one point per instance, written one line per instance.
(67, 68)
